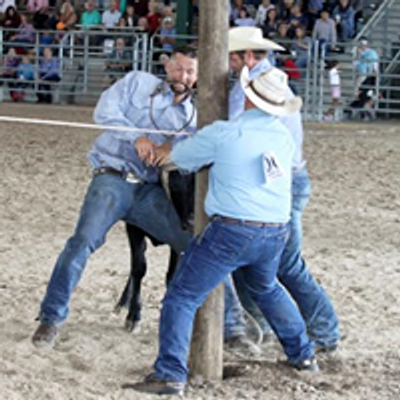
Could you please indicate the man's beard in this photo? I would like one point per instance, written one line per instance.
(179, 88)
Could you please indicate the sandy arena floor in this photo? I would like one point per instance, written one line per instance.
(352, 243)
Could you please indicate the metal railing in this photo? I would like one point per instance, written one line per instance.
(83, 57)
(376, 18)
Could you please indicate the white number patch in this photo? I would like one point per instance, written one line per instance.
(272, 167)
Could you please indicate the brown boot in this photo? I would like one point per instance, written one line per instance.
(45, 336)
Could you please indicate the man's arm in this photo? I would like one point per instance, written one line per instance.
(192, 153)
(112, 109)
(197, 151)
(113, 104)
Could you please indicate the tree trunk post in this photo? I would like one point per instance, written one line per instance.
(207, 343)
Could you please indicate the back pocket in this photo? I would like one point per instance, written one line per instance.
(230, 242)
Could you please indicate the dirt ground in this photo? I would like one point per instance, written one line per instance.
(351, 244)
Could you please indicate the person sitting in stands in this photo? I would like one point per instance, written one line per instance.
(168, 11)
(9, 70)
(344, 14)
(35, 5)
(262, 11)
(130, 17)
(143, 24)
(167, 35)
(67, 16)
(301, 46)
(282, 37)
(111, 17)
(25, 34)
(118, 62)
(49, 71)
(91, 17)
(271, 25)
(296, 18)
(324, 33)
(153, 18)
(244, 18)
(25, 77)
(11, 20)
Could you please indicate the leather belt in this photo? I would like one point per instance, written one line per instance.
(126, 176)
(235, 221)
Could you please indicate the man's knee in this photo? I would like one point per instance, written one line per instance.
(81, 241)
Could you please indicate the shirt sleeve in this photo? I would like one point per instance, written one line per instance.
(197, 151)
(113, 105)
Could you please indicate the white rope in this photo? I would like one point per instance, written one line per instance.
(89, 126)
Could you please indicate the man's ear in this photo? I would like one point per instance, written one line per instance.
(167, 65)
(249, 58)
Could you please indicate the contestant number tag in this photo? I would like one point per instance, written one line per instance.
(272, 168)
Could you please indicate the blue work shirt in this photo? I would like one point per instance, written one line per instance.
(293, 122)
(240, 186)
(49, 68)
(128, 103)
(368, 59)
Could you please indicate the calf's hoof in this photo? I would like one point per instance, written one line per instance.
(131, 326)
(117, 309)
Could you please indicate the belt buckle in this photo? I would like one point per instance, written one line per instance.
(132, 178)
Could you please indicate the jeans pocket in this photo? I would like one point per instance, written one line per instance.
(230, 242)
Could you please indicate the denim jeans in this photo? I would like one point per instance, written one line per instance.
(220, 249)
(312, 300)
(234, 322)
(108, 200)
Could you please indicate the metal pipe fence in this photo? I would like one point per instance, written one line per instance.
(90, 60)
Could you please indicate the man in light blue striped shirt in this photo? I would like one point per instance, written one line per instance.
(124, 186)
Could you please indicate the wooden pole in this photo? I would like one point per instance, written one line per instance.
(207, 344)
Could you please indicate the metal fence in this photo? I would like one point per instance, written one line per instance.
(88, 63)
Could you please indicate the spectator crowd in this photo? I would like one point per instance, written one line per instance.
(294, 22)
(24, 61)
(297, 25)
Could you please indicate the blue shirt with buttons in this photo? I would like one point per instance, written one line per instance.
(139, 100)
(240, 185)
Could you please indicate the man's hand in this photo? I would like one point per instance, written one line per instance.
(162, 154)
(145, 149)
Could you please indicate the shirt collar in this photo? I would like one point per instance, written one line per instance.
(261, 67)
(256, 112)
(187, 104)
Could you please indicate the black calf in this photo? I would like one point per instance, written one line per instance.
(181, 189)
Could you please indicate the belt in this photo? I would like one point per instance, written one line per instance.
(126, 176)
(235, 221)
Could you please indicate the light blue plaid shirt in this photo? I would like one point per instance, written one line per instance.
(128, 103)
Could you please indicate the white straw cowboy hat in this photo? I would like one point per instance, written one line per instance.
(249, 38)
(268, 92)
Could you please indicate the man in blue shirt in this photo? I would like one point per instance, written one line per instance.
(313, 302)
(367, 63)
(248, 202)
(124, 186)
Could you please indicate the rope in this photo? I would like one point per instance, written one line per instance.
(89, 126)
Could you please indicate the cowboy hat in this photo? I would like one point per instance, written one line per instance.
(268, 92)
(249, 38)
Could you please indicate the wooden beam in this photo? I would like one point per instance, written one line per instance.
(207, 344)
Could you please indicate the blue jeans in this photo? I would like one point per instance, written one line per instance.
(108, 200)
(234, 322)
(219, 250)
(312, 300)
